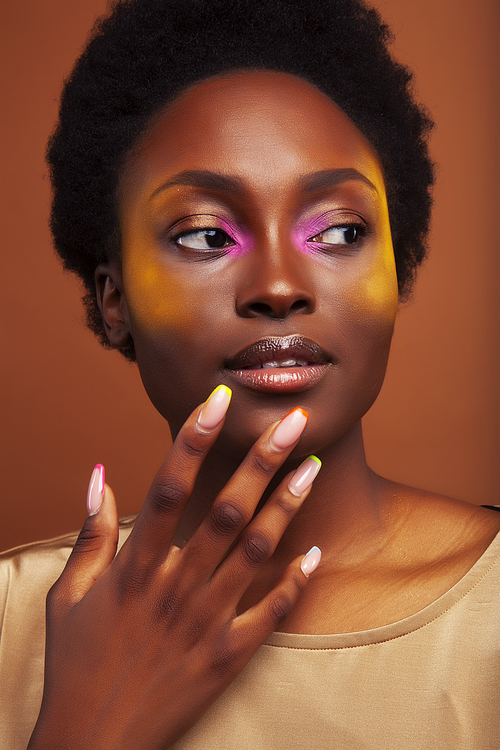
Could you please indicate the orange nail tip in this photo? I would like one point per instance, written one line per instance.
(297, 408)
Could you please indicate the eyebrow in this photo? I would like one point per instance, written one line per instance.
(331, 177)
(204, 178)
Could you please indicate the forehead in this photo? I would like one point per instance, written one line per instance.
(255, 125)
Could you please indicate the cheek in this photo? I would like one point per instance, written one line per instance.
(375, 295)
(370, 329)
(160, 326)
(366, 317)
(366, 309)
(372, 285)
(154, 297)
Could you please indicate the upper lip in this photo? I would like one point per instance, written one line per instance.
(273, 348)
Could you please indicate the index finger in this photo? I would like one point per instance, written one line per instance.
(172, 486)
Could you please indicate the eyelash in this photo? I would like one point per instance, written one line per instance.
(208, 232)
(358, 229)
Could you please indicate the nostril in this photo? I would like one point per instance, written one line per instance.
(261, 308)
(299, 305)
(277, 311)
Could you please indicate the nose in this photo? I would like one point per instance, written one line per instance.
(275, 283)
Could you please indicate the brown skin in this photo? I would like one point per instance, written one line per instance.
(388, 550)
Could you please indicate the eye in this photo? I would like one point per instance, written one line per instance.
(204, 239)
(341, 235)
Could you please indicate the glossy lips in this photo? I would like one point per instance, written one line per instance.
(280, 364)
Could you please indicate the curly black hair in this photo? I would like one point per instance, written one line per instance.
(145, 52)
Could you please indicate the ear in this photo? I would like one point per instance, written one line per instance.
(112, 304)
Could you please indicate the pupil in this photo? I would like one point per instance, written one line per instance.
(215, 238)
(350, 234)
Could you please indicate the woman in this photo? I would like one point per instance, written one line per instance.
(243, 212)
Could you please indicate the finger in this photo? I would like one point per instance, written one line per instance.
(275, 607)
(235, 505)
(250, 629)
(171, 489)
(95, 547)
(259, 541)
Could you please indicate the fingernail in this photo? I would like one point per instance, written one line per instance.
(289, 429)
(96, 490)
(213, 410)
(304, 476)
(310, 561)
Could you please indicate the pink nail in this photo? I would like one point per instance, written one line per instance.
(304, 476)
(96, 490)
(310, 561)
(289, 429)
(213, 410)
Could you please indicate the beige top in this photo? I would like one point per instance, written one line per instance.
(429, 682)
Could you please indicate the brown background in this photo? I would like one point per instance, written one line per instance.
(68, 404)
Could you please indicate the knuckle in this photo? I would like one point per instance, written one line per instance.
(226, 518)
(168, 608)
(224, 662)
(280, 607)
(168, 496)
(298, 580)
(89, 540)
(287, 507)
(193, 448)
(263, 464)
(256, 548)
(131, 585)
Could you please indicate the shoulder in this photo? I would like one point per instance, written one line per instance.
(440, 531)
(430, 508)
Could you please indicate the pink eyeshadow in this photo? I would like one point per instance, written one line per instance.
(243, 239)
(307, 229)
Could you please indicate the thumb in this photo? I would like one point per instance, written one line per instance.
(96, 545)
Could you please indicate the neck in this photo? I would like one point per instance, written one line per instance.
(342, 515)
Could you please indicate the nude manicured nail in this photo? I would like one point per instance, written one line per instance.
(304, 476)
(213, 410)
(289, 429)
(310, 561)
(96, 490)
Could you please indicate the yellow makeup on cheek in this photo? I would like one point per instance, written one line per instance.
(153, 296)
(380, 289)
(376, 290)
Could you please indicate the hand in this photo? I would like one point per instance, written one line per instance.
(140, 644)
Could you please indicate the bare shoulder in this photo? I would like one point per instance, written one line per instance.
(439, 529)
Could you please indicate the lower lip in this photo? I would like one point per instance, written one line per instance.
(280, 379)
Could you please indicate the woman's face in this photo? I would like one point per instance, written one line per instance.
(256, 252)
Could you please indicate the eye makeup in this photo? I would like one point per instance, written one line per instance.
(332, 231)
(206, 236)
